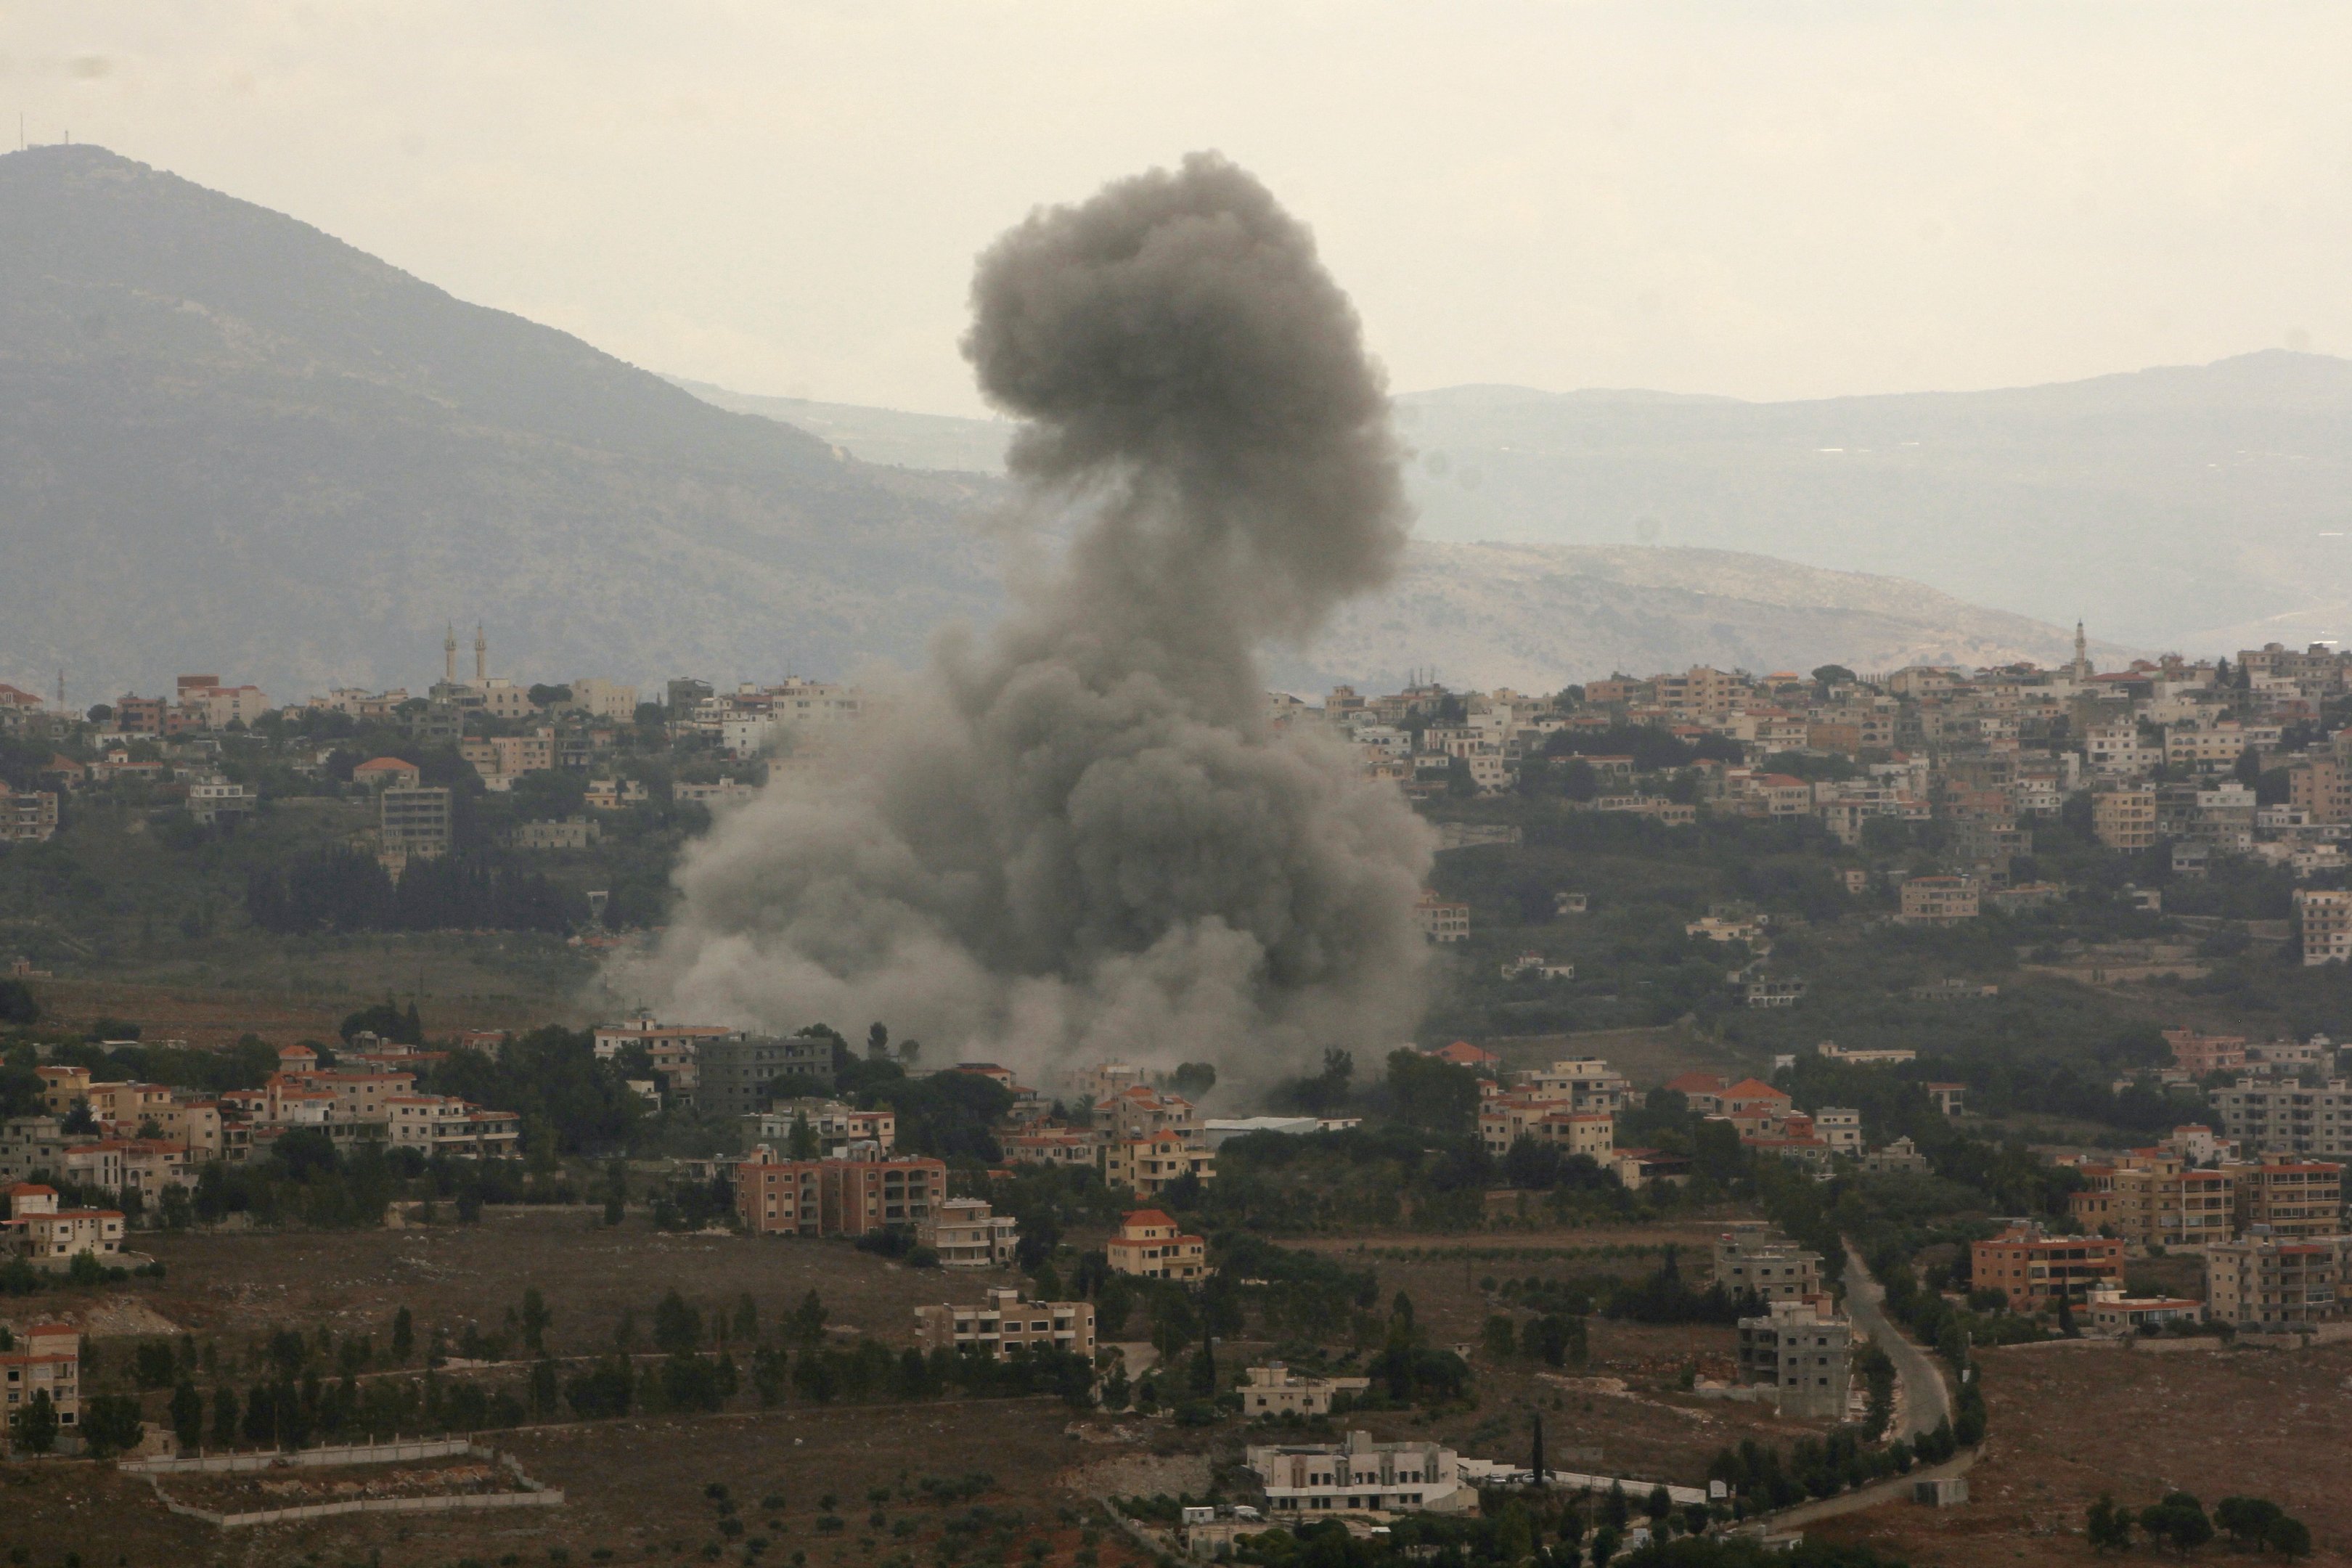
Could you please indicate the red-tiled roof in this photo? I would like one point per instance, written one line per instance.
(1148, 1216)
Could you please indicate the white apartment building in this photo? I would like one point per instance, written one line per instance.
(1358, 1476)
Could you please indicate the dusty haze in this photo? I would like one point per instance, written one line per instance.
(1077, 838)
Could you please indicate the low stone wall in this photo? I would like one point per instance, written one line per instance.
(541, 1498)
(533, 1494)
(271, 1459)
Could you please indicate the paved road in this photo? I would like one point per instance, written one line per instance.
(1927, 1402)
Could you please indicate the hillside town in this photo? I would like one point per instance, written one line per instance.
(1027, 1218)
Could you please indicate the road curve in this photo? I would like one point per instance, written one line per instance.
(1927, 1401)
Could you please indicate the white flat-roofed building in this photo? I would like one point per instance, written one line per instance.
(1357, 1476)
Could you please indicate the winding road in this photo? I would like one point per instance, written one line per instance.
(1925, 1401)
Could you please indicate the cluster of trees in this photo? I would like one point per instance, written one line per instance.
(1761, 1480)
(2178, 1520)
(343, 889)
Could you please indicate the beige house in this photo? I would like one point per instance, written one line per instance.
(1276, 1390)
(1152, 1246)
(2123, 818)
(967, 1234)
(1004, 1323)
(50, 1364)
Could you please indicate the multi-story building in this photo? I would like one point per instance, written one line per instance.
(2322, 787)
(415, 820)
(2265, 1282)
(2323, 921)
(1840, 1126)
(1048, 1145)
(1807, 1357)
(446, 1124)
(966, 1233)
(1152, 1246)
(1938, 901)
(1443, 919)
(1588, 1083)
(2297, 1199)
(50, 1364)
(1005, 1324)
(2151, 1197)
(1276, 1390)
(2034, 1269)
(2203, 1053)
(835, 1197)
(1755, 1258)
(2285, 1116)
(2125, 818)
(1358, 1476)
(54, 1237)
(1139, 1109)
(838, 1127)
(736, 1072)
(1146, 1165)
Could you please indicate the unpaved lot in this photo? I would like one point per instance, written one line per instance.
(2071, 1423)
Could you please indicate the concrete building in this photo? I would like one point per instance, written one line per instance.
(2123, 818)
(1756, 1257)
(735, 1072)
(2034, 1269)
(838, 1127)
(834, 1198)
(2285, 1116)
(1840, 1126)
(2113, 1313)
(2264, 1281)
(1005, 1324)
(415, 820)
(2323, 921)
(1147, 1165)
(966, 1233)
(1276, 1390)
(1938, 901)
(2295, 1198)
(1152, 1246)
(2151, 1197)
(1357, 1476)
(49, 1362)
(53, 1239)
(1443, 919)
(1807, 1357)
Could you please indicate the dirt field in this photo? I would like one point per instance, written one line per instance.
(2069, 1424)
(238, 1285)
(302, 990)
(636, 1492)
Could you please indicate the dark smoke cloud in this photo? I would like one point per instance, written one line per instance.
(1077, 838)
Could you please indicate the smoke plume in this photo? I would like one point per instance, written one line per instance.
(1076, 837)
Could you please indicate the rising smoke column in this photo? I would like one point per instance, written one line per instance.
(1076, 837)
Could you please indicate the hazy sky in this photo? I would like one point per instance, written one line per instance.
(1768, 199)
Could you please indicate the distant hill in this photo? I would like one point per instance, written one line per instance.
(2198, 507)
(230, 443)
(1536, 618)
(233, 443)
(2169, 506)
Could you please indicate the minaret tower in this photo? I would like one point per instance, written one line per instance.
(482, 655)
(450, 654)
(2082, 654)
